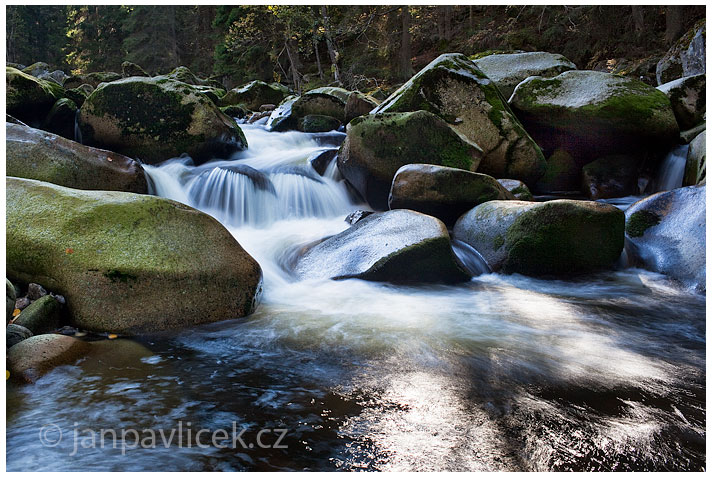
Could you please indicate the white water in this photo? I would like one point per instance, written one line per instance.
(672, 169)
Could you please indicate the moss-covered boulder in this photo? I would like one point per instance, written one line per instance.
(688, 99)
(376, 146)
(35, 356)
(132, 69)
(293, 108)
(341, 94)
(36, 154)
(184, 75)
(359, 104)
(394, 246)
(666, 234)
(253, 95)
(446, 193)
(517, 189)
(610, 177)
(36, 69)
(61, 118)
(235, 111)
(592, 114)
(696, 163)
(508, 70)
(156, 119)
(318, 124)
(94, 79)
(562, 174)
(41, 316)
(28, 98)
(127, 263)
(561, 237)
(452, 87)
(79, 94)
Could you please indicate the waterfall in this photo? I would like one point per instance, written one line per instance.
(470, 259)
(672, 169)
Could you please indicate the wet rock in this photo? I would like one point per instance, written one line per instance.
(35, 291)
(591, 114)
(376, 146)
(236, 111)
(36, 154)
(508, 70)
(22, 302)
(61, 118)
(132, 69)
(37, 355)
(42, 316)
(561, 237)
(287, 115)
(156, 119)
(253, 95)
(318, 124)
(133, 265)
(10, 299)
(685, 58)
(690, 134)
(453, 88)
(14, 334)
(517, 188)
(688, 99)
(445, 193)
(696, 164)
(610, 177)
(29, 99)
(321, 160)
(267, 107)
(358, 104)
(562, 174)
(254, 117)
(666, 233)
(356, 216)
(394, 246)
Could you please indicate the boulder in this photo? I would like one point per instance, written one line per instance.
(132, 69)
(184, 75)
(376, 146)
(14, 334)
(28, 98)
(592, 114)
(321, 160)
(131, 263)
(561, 237)
(155, 119)
(562, 174)
(56, 76)
(696, 163)
(666, 233)
(685, 58)
(35, 291)
(442, 192)
(688, 135)
(41, 316)
(61, 118)
(235, 111)
(340, 94)
(517, 189)
(358, 104)
(610, 177)
(36, 154)
(508, 70)
(30, 359)
(79, 94)
(287, 115)
(10, 298)
(394, 246)
(253, 95)
(452, 87)
(318, 124)
(92, 79)
(688, 99)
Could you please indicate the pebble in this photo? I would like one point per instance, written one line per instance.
(35, 291)
(22, 302)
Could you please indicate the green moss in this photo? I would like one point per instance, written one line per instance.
(639, 222)
(117, 276)
(498, 242)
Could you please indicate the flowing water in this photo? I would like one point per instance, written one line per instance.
(672, 169)
(505, 372)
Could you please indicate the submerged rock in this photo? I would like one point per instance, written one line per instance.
(696, 164)
(377, 145)
(666, 233)
(688, 99)
(610, 177)
(253, 95)
(132, 263)
(394, 246)
(561, 237)
(30, 359)
(29, 99)
(445, 193)
(592, 114)
(36, 154)
(453, 88)
(156, 119)
(508, 70)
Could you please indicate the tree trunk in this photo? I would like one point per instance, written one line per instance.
(333, 53)
(444, 21)
(673, 23)
(405, 67)
(294, 64)
(638, 19)
(316, 55)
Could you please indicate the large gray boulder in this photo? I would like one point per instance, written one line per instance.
(446, 193)
(453, 88)
(592, 114)
(696, 164)
(155, 119)
(376, 146)
(29, 99)
(666, 233)
(561, 237)
(685, 58)
(36, 154)
(127, 263)
(688, 99)
(394, 246)
(508, 70)
(292, 109)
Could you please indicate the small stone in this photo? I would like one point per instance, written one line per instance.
(267, 107)
(67, 330)
(35, 291)
(14, 334)
(58, 298)
(22, 302)
(356, 216)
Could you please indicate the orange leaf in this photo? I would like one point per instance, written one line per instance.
(112, 336)
(69, 250)
(16, 312)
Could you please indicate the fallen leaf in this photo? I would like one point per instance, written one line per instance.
(16, 312)
(112, 336)
(69, 250)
